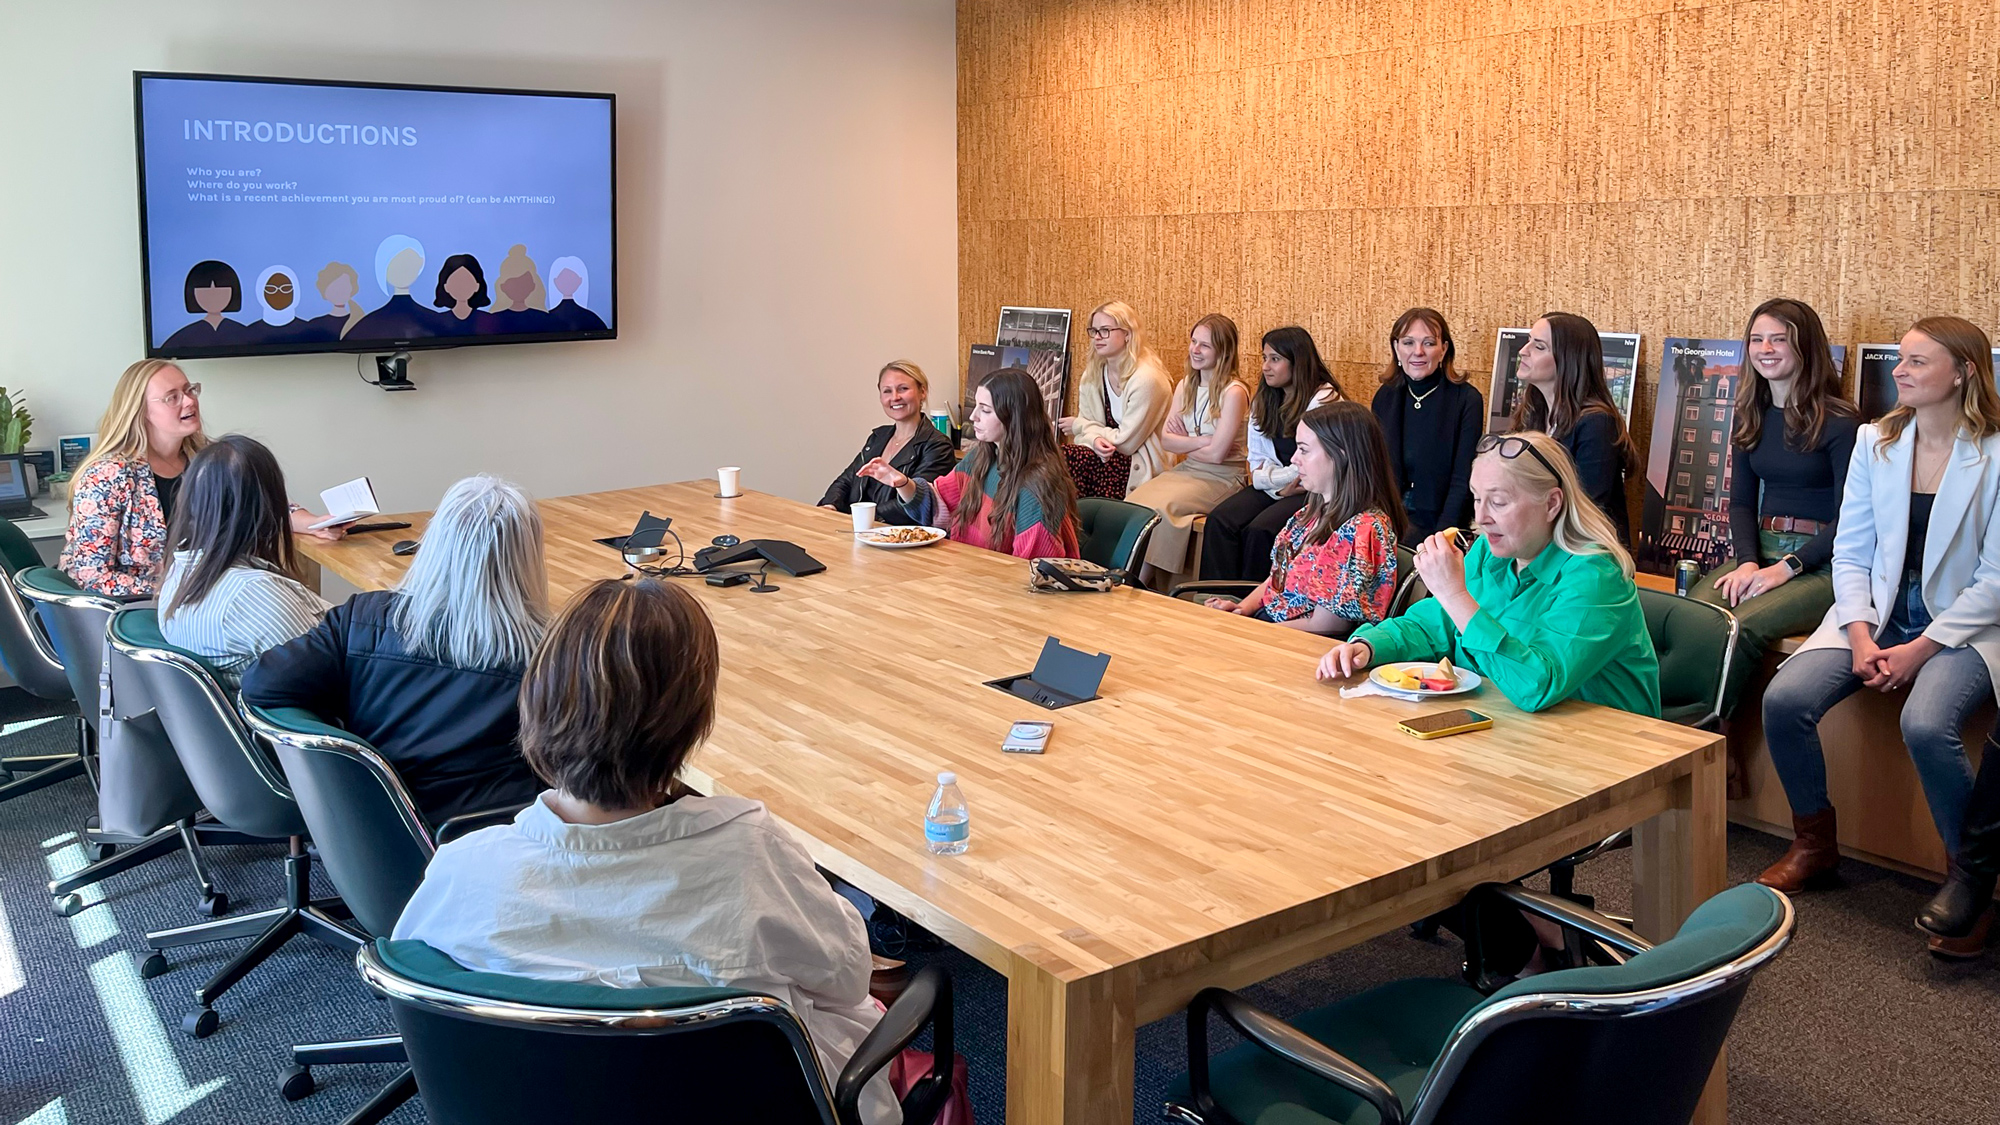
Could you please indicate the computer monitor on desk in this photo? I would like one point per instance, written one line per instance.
(14, 502)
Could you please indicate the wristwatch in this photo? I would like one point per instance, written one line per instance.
(1792, 562)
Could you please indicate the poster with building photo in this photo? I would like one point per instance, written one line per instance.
(1023, 334)
(1687, 467)
(1621, 373)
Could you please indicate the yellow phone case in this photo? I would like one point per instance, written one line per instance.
(1481, 724)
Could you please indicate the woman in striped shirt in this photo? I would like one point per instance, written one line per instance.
(233, 590)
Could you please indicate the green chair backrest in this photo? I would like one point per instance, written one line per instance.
(17, 551)
(1112, 531)
(1695, 642)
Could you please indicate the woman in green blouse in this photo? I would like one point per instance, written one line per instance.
(1543, 604)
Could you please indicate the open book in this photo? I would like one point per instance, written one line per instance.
(348, 502)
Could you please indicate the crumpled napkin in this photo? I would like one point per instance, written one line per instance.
(1368, 686)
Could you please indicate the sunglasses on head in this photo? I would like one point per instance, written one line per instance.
(1511, 447)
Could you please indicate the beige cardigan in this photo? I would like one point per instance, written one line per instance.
(1147, 399)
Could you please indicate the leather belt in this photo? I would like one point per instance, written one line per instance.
(1792, 524)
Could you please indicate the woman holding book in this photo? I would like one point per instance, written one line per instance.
(1122, 403)
(1206, 430)
(1011, 493)
(1565, 395)
(909, 442)
(1431, 418)
(1334, 566)
(1242, 529)
(1916, 593)
(1789, 450)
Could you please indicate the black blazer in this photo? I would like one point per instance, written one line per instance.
(1444, 485)
(1600, 467)
(928, 456)
(452, 734)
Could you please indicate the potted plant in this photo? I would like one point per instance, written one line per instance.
(16, 424)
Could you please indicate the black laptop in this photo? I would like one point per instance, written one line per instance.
(14, 502)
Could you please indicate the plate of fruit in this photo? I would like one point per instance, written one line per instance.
(1421, 679)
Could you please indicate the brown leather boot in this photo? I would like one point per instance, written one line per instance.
(1812, 858)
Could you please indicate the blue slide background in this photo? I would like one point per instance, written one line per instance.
(467, 145)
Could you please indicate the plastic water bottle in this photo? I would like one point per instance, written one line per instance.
(947, 823)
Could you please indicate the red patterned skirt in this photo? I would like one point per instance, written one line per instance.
(1096, 476)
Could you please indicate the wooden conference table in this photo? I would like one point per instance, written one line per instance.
(1216, 818)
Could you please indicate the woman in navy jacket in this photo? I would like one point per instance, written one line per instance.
(430, 673)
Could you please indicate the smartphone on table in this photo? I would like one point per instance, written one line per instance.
(1441, 723)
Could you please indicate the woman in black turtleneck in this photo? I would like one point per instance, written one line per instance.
(1431, 419)
(1792, 440)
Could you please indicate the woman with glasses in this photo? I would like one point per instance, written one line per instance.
(1916, 593)
(1122, 404)
(1542, 604)
(1564, 395)
(1242, 529)
(124, 492)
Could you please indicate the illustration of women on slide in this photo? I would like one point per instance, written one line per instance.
(399, 260)
(338, 286)
(461, 293)
(212, 289)
(524, 305)
(572, 282)
(277, 291)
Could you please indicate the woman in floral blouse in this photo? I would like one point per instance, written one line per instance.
(124, 491)
(1334, 565)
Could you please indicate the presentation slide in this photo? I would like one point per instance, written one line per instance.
(284, 216)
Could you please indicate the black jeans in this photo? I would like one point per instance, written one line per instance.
(1236, 547)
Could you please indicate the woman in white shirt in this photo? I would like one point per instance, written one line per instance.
(1122, 404)
(1205, 429)
(1242, 529)
(617, 877)
(232, 590)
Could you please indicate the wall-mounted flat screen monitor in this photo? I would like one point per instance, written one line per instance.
(283, 215)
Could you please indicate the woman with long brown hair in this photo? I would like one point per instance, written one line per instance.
(1242, 529)
(1566, 397)
(1916, 601)
(1431, 418)
(1012, 492)
(1334, 566)
(1205, 429)
(1788, 457)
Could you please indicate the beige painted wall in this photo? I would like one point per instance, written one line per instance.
(786, 177)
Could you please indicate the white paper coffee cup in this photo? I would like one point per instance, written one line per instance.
(864, 515)
(730, 480)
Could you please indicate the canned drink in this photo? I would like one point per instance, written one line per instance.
(1685, 576)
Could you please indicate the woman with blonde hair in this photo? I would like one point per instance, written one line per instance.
(1205, 428)
(1542, 604)
(909, 444)
(339, 286)
(1122, 402)
(124, 492)
(429, 673)
(523, 304)
(1916, 594)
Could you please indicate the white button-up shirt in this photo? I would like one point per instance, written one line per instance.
(704, 892)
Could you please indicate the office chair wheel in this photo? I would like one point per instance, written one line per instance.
(201, 1023)
(66, 906)
(98, 853)
(154, 964)
(295, 1082)
(212, 905)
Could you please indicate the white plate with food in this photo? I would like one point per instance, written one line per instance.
(1422, 679)
(902, 538)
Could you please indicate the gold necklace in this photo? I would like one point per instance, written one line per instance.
(1929, 482)
(1417, 400)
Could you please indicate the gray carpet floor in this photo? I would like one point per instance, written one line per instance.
(1856, 1023)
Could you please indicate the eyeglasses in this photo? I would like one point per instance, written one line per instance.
(175, 398)
(277, 289)
(1511, 447)
(1097, 333)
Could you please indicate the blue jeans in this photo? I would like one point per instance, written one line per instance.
(1947, 688)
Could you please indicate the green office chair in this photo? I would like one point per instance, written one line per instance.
(1695, 643)
(500, 1050)
(373, 846)
(32, 662)
(240, 785)
(1406, 578)
(1113, 534)
(1410, 588)
(1630, 1037)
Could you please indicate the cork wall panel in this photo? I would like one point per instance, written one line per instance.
(1656, 165)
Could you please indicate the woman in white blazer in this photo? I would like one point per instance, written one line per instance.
(1916, 580)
